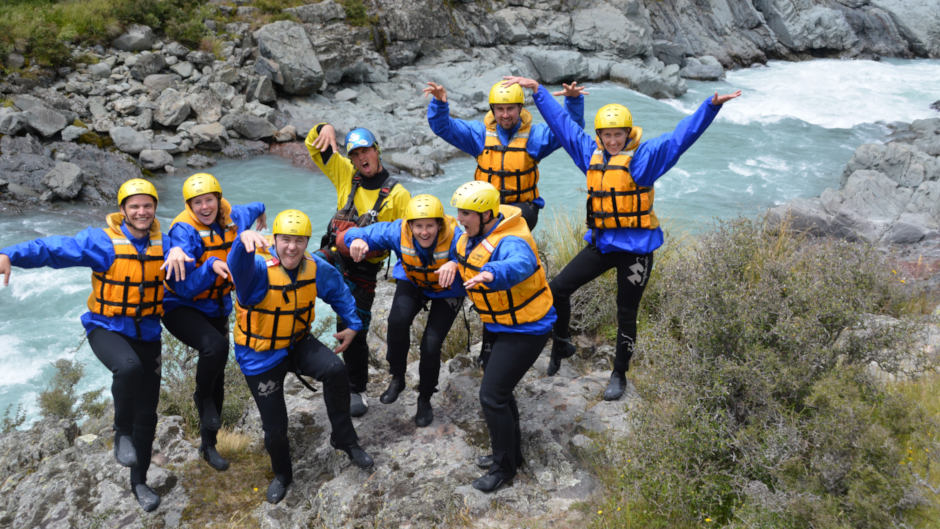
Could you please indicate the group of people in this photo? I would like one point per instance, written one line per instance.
(184, 279)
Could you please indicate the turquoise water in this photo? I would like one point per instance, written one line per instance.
(788, 136)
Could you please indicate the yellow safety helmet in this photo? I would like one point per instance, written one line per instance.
(478, 196)
(136, 186)
(506, 95)
(424, 207)
(613, 116)
(292, 222)
(200, 184)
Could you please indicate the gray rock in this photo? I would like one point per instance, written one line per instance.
(11, 121)
(153, 159)
(801, 26)
(101, 70)
(15, 60)
(285, 134)
(25, 102)
(705, 68)
(206, 105)
(129, 140)
(147, 64)
(656, 79)
(917, 21)
(44, 121)
(200, 58)
(209, 136)
(176, 49)
(261, 89)
(286, 43)
(184, 69)
(223, 91)
(556, 66)
(172, 108)
(125, 105)
(249, 126)
(96, 105)
(609, 28)
(72, 133)
(198, 161)
(269, 69)
(136, 38)
(64, 180)
(413, 164)
(318, 13)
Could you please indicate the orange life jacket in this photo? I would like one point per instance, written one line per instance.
(213, 245)
(426, 276)
(133, 286)
(283, 317)
(509, 168)
(614, 199)
(526, 301)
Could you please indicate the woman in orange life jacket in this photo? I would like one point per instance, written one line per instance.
(425, 241)
(127, 259)
(365, 193)
(504, 278)
(196, 310)
(623, 230)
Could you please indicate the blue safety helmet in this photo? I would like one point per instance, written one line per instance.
(360, 137)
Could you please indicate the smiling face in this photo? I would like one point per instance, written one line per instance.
(613, 140)
(425, 231)
(206, 207)
(471, 221)
(139, 212)
(290, 249)
(366, 161)
(507, 115)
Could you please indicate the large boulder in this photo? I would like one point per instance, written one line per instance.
(249, 126)
(802, 26)
(11, 121)
(172, 108)
(651, 77)
(64, 180)
(207, 106)
(155, 159)
(620, 29)
(286, 43)
(556, 66)
(136, 38)
(129, 140)
(209, 136)
(318, 13)
(44, 121)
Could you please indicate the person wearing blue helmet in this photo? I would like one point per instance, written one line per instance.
(365, 194)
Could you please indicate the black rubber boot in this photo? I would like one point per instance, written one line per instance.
(615, 386)
(491, 481)
(358, 456)
(561, 348)
(146, 497)
(425, 415)
(277, 489)
(212, 457)
(124, 451)
(208, 415)
(357, 405)
(394, 388)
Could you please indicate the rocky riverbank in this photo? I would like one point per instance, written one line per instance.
(147, 106)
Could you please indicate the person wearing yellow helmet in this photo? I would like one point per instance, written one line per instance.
(507, 144)
(128, 259)
(504, 278)
(276, 288)
(196, 310)
(365, 193)
(623, 229)
(424, 241)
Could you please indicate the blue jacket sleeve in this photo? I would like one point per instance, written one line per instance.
(332, 289)
(542, 140)
(468, 136)
(245, 215)
(198, 278)
(90, 248)
(512, 262)
(249, 273)
(656, 156)
(575, 140)
(379, 236)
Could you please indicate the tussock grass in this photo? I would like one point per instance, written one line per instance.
(759, 410)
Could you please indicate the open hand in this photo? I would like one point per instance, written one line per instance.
(326, 138)
(436, 91)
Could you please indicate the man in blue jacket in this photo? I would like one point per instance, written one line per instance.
(276, 288)
(623, 229)
(507, 145)
(127, 259)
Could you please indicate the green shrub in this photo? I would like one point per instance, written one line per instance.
(58, 400)
(758, 408)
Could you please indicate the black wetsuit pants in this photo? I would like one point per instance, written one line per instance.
(633, 272)
(408, 300)
(506, 358)
(361, 278)
(209, 337)
(530, 212)
(135, 388)
(308, 357)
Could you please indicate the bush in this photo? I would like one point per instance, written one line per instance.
(757, 414)
(58, 400)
